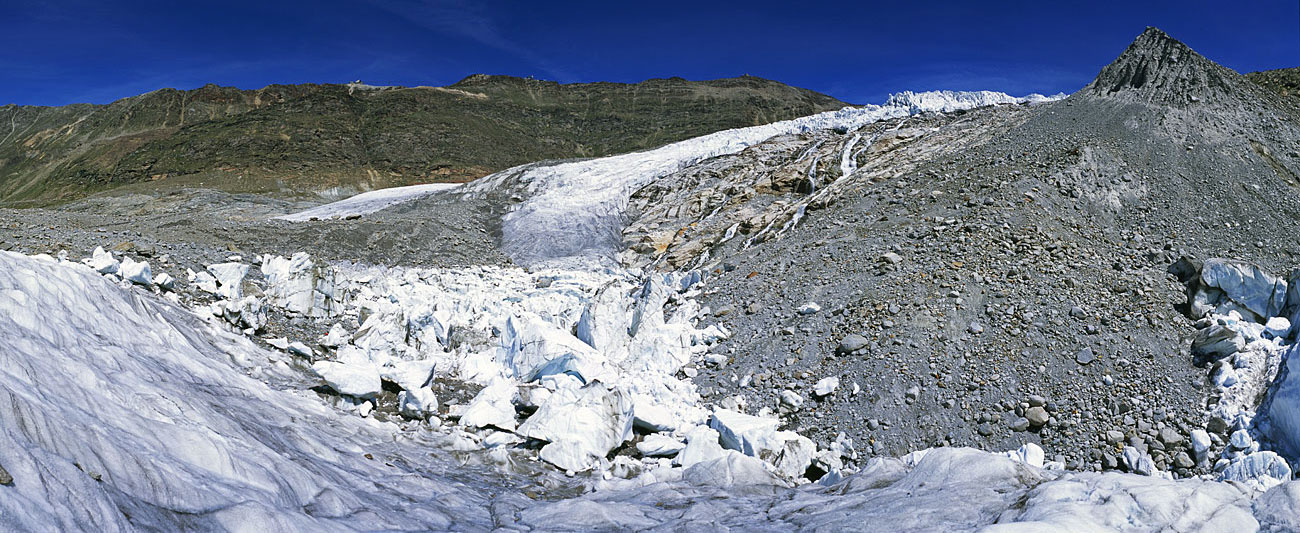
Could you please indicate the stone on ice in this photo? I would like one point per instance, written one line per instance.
(1216, 342)
(357, 380)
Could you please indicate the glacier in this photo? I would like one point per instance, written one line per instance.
(571, 213)
(126, 411)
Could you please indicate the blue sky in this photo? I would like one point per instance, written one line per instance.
(59, 52)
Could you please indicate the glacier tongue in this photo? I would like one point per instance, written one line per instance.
(575, 209)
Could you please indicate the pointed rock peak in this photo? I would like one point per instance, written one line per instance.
(1159, 69)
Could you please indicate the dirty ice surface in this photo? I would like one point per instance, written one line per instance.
(369, 202)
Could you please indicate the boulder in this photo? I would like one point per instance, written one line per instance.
(1214, 343)
(851, 343)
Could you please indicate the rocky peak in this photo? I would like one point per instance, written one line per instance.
(1158, 69)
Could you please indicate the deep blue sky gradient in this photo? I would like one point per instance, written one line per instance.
(59, 52)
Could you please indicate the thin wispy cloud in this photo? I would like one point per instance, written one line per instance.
(470, 21)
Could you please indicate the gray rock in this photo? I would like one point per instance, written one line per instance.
(1182, 460)
(1114, 437)
(1170, 437)
(852, 343)
(1085, 356)
(1137, 461)
(1214, 343)
(1020, 424)
(1036, 400)
(1037, 416)
(892, 258)
(5, 478)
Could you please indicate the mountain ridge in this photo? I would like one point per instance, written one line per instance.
(315, 137)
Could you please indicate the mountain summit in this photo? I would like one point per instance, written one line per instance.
(1159, 69)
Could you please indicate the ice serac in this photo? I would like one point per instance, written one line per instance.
(299, 285)
(120, 412)
(581, 425)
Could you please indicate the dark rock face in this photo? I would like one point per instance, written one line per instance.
(1156, 68)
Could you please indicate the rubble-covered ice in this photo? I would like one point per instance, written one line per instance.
(368, 202)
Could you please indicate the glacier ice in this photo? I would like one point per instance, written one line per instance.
(368, 202)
